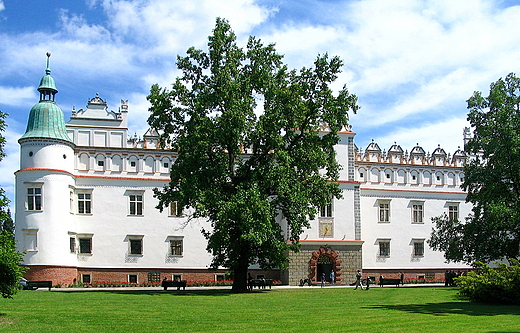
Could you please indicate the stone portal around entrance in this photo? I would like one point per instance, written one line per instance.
(317, 257)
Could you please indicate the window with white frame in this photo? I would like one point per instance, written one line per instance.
(85, 244)
(453, 211)
(84, 202)
(384, 247)
(384, 211)
(175, 209)
(135, 204)
(30, 240)
(72, 244)
(86, 278)
(326, 211)
(132, 278)
(176, 246)
(135, 245)
(417, 212)
(71, 201)
(34, 198)
(418, 247)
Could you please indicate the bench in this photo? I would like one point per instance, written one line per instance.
(263, 283)
(33, 285)
(179, 284)
(389, 282)
(305, 282)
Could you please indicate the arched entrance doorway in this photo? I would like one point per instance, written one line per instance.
(324, 260)
(324, 266)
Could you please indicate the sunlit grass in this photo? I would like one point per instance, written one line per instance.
(427, 309)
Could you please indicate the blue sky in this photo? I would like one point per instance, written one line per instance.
(412, 63)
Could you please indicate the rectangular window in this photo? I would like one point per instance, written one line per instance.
(417, 212)
(132, 278)
(326, 211)
(453, 212)
(72, 244)
(85, 278)
(418, 248)
(176, 247)
(136, 246)
(384, 212)
(34, 198)
(30, 240)
(136, 204)
(174, 209)
(85, 245)
(84, 203)
(384, 248)
(154, 276)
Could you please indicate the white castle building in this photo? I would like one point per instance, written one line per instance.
(85, 211)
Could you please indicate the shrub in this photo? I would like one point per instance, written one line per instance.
(499, 285)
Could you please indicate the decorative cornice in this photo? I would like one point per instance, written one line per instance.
(44, 169)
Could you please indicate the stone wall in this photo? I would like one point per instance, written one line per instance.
(302, 265)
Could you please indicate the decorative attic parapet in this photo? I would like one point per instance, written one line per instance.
(417, 156)
(97, 108)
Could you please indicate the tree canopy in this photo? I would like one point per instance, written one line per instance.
(492, 180)
(10, 270)
(253, 157)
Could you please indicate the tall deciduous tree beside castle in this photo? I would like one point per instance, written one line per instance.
(492, 180)
(10, 270)
(251, 146)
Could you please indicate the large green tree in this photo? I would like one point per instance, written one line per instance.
(253, 158)
(10, 270)
(492, 180)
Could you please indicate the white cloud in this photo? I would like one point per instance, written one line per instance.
(13, 96)
(169, 26)
(426, 135)
(415, 57)
(75, 25)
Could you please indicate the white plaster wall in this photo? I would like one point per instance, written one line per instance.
(401, 231)
(46, 155)
(111, 224)
(52, 223)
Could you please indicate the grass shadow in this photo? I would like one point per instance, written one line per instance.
(450, 308)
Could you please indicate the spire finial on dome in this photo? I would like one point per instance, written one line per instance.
(47, 86)
(48, 69)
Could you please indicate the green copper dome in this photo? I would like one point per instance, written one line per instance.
(46, 119)
(47, 82)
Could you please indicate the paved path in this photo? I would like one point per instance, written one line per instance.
(229, 287)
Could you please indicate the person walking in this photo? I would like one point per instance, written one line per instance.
(358, 280)
(332, 281)
(322, 280)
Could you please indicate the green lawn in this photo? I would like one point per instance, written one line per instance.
(427, 309)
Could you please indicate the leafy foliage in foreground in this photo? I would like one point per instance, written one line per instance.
(492, 285)
(10, 270)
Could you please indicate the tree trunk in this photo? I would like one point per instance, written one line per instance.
(240, 275)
